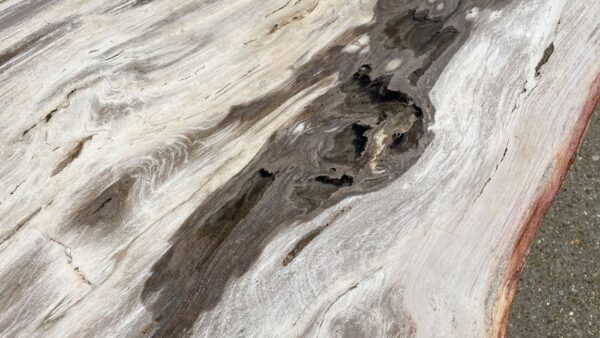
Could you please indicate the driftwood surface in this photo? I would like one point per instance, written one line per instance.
(281, 168)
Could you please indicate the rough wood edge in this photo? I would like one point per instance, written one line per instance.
(533, 221)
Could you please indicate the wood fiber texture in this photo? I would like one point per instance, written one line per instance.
(281, 168)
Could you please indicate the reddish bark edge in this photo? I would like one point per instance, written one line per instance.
(532, 222)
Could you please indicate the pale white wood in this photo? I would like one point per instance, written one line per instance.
(433, 254)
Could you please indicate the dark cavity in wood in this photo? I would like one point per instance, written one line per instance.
(545, 58)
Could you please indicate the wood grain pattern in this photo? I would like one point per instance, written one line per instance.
(282, 168)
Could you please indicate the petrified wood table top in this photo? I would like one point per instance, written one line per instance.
(281, 168)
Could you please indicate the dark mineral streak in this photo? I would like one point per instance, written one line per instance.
(358, 137)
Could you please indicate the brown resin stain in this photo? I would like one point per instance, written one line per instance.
(306, 239)
(294, 18)
(533, 221)
(71, 156)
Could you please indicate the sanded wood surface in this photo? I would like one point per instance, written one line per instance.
(281, 168)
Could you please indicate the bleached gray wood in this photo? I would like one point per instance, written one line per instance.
(105, 97)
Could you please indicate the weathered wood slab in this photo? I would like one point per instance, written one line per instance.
(281, 168)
